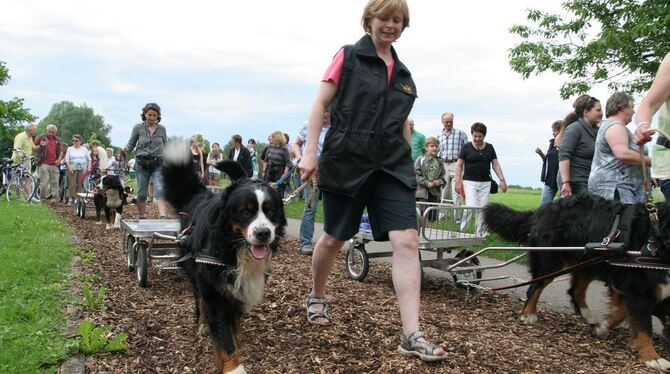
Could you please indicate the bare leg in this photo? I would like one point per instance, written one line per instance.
(323, 258)
(406, 275)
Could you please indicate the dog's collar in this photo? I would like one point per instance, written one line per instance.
(210, 260)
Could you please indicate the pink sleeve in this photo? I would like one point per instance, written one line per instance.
(334, 71)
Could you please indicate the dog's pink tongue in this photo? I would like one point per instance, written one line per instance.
(259, 251)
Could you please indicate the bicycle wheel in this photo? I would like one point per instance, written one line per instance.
(21, 188)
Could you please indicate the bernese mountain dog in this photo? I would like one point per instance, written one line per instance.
(233, 237)
(635, 293)
(109, 197)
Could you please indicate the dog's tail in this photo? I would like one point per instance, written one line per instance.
(180, 181)
(509, 224)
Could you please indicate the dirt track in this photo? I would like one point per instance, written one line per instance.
(479, 331)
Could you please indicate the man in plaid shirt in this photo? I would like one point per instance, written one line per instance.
(451, 142)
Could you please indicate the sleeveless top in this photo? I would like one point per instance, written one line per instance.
(609, 174)
(661, 155)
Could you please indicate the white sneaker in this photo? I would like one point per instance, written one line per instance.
(34, 200)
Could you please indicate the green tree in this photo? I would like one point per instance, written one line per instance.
(12, 115)
(71, 119)
(617, 42)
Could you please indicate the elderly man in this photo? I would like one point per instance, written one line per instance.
(418, 140)
(48, 158)
(451, 141)
(23, 143)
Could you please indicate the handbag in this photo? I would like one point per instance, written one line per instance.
(149, 163)
(494, 186)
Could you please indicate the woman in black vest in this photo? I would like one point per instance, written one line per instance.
(366, 162)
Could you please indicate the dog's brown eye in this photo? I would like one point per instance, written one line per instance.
(267, 206)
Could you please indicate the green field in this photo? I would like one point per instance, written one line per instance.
(36, 255)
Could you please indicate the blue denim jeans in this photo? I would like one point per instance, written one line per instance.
(665, 188)
(143, 178)
(308, 217)
(548, 194)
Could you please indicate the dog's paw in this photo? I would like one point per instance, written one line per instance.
(602, 329)
(108, 227)
(203, 330)
(659, 364)
(589, 317)
(528, 319)
(238, 370)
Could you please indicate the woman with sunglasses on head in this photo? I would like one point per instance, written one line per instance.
(577, 147)
(148, 139)
(77, 161)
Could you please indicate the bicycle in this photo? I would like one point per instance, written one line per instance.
(18, 184)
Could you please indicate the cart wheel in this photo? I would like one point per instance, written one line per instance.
(130, 252)
(141, 265)
(470, 275)
(358, 263)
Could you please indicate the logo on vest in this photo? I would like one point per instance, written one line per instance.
(406, 88)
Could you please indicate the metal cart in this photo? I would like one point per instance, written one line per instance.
(151, 239)
(82, 203)
(440, 231)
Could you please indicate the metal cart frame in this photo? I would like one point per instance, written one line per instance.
(151, 239)
(439, 232)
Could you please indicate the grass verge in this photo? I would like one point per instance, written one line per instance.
(36, 255)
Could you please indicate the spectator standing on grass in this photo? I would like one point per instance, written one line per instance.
(78, 162)
(251, 147)
(309, 210)
(451, 141)
(550, 166)
(418, 141)
(473, 175)
(615, 172)
(366, 163)
(577, 146)
(658, 97)
(48, 159)
(240, 154)
(149, 139)
(196, 157)
(213, 158)
(430, 173)
(277, 161)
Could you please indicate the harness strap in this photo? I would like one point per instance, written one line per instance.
(614, 232)
(591, 261)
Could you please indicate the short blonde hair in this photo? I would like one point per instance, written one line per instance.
(384, 8)
(278, 138)
(432, 140)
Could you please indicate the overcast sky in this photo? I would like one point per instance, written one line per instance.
(220, 68)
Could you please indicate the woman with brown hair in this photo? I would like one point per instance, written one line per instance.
(148, 139)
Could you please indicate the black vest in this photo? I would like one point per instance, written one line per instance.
(367, 116)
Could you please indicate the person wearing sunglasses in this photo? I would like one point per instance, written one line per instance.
(78, 161)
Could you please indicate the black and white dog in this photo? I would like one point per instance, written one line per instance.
(636, 293)
(234, 237)
(109, 197)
